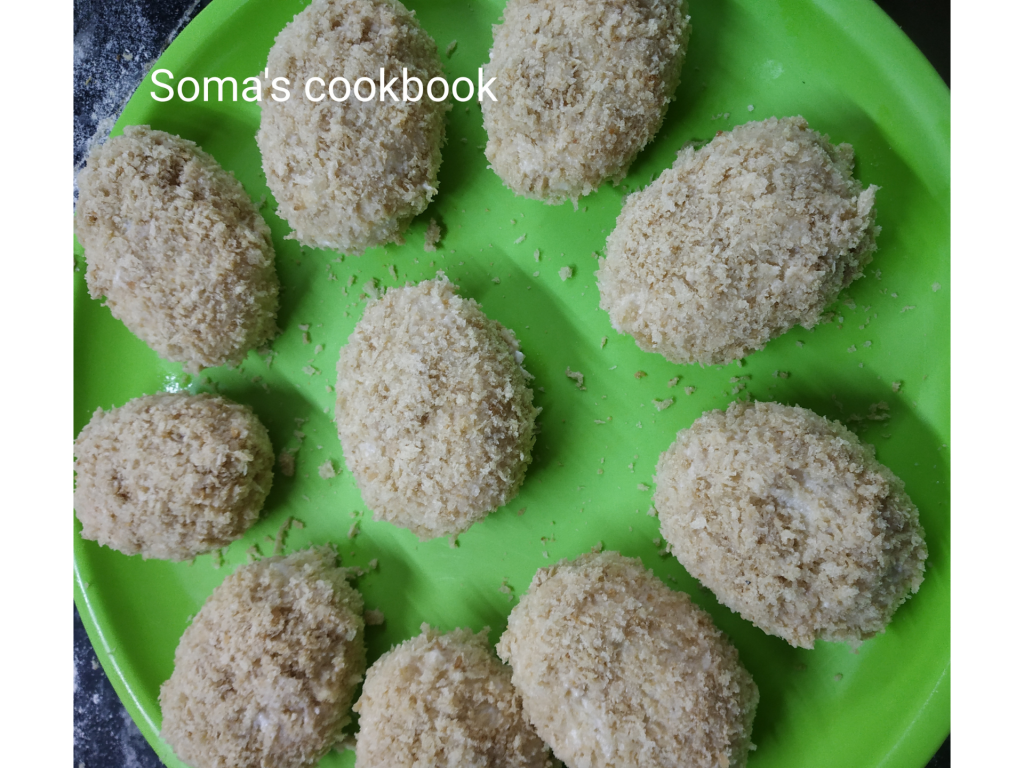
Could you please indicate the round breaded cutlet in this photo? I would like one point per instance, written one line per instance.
(433, 411)
(791, 521)
(178, 249)
(737, 242)
(616, 669)
(445, 701)
(264, 675)
(350, 175)
(171, 476)
(581, 86)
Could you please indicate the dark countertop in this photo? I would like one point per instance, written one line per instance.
(107, 30)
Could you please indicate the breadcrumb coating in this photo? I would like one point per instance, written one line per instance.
(737, 242)
(265, 674)
(351, 175)
(791, 521)
(433, 411)
(616, 669)
(178, 249)
(171, 475)
(581, 87)
(444, 700)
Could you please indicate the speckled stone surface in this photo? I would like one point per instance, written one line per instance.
(105, 736)
(115, 42)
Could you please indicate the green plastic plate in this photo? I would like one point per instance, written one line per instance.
(844, 66)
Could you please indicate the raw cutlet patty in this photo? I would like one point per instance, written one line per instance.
(791, 522)
(351, 175)
(581, 87)
(445, 701)
(178, 249)
(616, 669)
(171, 475)
(265, 674)
(737, 242)
(433, 411)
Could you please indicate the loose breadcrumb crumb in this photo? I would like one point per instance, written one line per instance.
(282, 532)
(432, 236)
(326, 470)
(286, 461)
(565, 273)
(577, 377)
(661, 405)
(371, 290)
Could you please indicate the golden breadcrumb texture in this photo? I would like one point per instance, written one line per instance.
(265, 674)
(434, 414)
(445, 701)
(581, 87)
(737, 242)
(171, 475)
(178, 249)
(616, 669)
(351, 175)
(791, 522)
